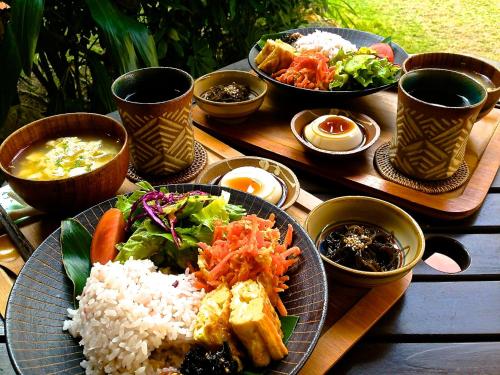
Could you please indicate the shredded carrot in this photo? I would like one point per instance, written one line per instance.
(308, 70)
(246, 249)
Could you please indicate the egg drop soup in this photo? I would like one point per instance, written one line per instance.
(64, 157)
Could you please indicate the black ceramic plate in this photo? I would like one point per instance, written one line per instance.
(357, 37)
(42, 293)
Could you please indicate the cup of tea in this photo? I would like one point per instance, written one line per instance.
(436, 111)
(155, 108)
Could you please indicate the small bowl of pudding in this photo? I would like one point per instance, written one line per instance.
(264, 178)
(487, 74)
(229, 95)
(334, 131)
(65, 163)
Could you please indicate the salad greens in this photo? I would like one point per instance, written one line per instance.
(360, 69)
(167, 227)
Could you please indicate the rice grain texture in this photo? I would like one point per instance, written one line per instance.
(129, 310)
(322, 41)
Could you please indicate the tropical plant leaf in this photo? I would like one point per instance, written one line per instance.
(124, 35)
(75, 244)
(26, 21)
(101, 84)
(10, 69)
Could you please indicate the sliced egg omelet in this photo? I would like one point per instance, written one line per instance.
(255, 322)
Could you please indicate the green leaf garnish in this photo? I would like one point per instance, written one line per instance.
(288, 324)
(75, 245)
(262, 41)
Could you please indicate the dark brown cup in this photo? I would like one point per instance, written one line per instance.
(155, 107)
(436, 111)
(476, 68)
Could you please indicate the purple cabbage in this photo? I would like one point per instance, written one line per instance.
(153, 204)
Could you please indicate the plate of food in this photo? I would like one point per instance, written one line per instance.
(327, 61)
(179, 279)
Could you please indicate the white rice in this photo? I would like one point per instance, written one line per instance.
(127, 311)
(322, 41)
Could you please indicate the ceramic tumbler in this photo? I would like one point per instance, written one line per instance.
(155, 108)
(436, 111)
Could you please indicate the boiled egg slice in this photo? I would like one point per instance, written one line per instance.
(255, 181)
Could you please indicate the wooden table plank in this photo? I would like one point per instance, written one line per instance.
(5, 366)
(446, 309)
(482, 248)
(421, 358)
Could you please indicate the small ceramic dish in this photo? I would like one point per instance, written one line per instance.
(376, 212)
(72, 193)
(230, 112)
(370, 129)
(214, 172)
(483, 72)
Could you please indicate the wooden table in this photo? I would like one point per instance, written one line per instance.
(445, 323)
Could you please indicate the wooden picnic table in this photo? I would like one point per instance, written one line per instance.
(445, 323)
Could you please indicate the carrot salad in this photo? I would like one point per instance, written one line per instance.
(308, 70)
(249, 248)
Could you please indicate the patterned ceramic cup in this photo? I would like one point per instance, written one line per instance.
(436, 111)
(155, 107)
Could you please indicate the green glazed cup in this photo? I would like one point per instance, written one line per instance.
(155, 108)
(436, 111)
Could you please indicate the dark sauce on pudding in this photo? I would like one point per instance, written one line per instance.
(284, 189)
(361, 246)
(337, 125)
(363, 140)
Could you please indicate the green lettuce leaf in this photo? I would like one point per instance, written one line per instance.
(142, 244)
(362, 69)
(212, 213)
(151, 241)
(124, 202)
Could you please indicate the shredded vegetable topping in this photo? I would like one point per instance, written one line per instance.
(246, 249)
(154, 205)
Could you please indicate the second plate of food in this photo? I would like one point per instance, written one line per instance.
(265, 178)
(337, 62)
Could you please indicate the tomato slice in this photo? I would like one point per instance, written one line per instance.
(383, 50)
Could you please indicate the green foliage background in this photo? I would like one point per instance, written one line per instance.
(76, 48)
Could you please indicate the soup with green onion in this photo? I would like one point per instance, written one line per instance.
(64, 157)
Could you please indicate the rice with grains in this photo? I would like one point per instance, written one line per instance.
(127, 311)
(325, 42)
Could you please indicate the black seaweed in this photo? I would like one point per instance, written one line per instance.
(229, 93)
(199, 361)
(363, 247)
(291, 38)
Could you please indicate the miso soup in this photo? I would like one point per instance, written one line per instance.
(64, 157)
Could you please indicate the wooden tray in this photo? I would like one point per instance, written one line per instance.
(351, 311)
(267, 133)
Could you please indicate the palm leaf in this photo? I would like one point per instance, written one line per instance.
(124, 35)
(26, 20)
(101, 83)
(10, 69)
